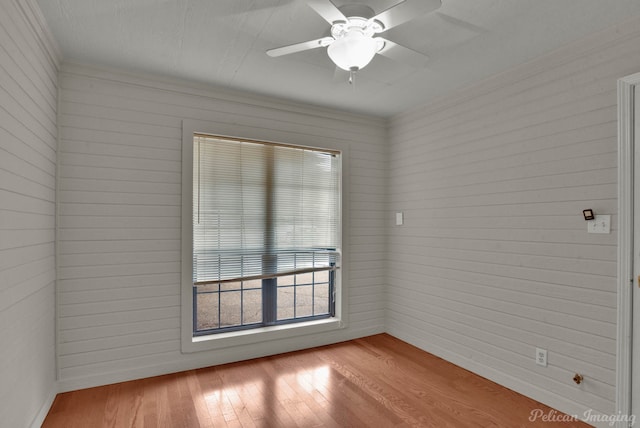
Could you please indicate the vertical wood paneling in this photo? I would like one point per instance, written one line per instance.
(494, 258)
(28, 140)
(119, 217)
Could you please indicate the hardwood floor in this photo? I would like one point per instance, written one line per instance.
(378, 381)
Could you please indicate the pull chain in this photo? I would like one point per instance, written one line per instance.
(352, 75)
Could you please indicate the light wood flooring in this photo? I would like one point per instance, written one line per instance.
(377, 381)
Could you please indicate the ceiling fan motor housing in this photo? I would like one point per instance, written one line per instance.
(354, 46)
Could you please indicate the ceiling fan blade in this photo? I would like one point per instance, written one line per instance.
(299, 47)
(327, 10)
(406, 11)
(402, 54)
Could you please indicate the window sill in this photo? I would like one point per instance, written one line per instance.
(257, 335)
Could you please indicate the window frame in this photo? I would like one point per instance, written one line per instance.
(191, 343)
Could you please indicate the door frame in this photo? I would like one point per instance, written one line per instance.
(626, 150)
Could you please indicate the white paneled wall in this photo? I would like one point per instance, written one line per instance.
(494, 258)
(28, 133)
(119, 218)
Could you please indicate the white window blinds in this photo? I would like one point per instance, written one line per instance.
(263, 210)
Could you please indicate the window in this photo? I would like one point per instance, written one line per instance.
(265, 234)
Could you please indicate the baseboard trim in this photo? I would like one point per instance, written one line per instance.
(46, 406)
(545, 397)
(207, 359)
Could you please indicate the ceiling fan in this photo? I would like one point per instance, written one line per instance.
(353, 42)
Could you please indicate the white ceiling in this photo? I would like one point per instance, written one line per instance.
(223, 43)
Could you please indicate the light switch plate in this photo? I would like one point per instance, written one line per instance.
(399, 219)
(600, 224)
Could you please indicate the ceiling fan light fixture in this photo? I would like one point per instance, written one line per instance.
(352, 43)
(353, 51)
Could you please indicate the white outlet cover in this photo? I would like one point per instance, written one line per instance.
(541, 357)
(600, 224)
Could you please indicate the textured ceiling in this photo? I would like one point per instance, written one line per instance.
(223, 43)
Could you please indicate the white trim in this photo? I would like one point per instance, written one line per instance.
(262, 334)
(46, 406)
(625, 242)
(519, 385)
(188, 342)
(186, 246)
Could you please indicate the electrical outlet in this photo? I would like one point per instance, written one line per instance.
(541, 357)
